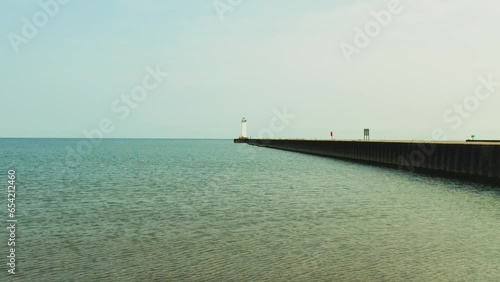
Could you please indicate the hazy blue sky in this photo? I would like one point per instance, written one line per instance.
(263, 56)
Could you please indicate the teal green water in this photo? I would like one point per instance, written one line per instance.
(210, 210)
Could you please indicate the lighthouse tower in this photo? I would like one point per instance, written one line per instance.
(244, 129)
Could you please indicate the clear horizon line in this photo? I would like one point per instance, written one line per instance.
(172, 138)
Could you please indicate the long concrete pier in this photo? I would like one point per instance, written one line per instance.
(474, 160)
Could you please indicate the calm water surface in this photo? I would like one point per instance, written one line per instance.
(210, 210)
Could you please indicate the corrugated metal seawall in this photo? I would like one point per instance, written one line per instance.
(470, 160)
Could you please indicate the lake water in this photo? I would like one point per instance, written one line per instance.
(211, 210)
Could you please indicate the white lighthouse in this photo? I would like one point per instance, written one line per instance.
(244, 129)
